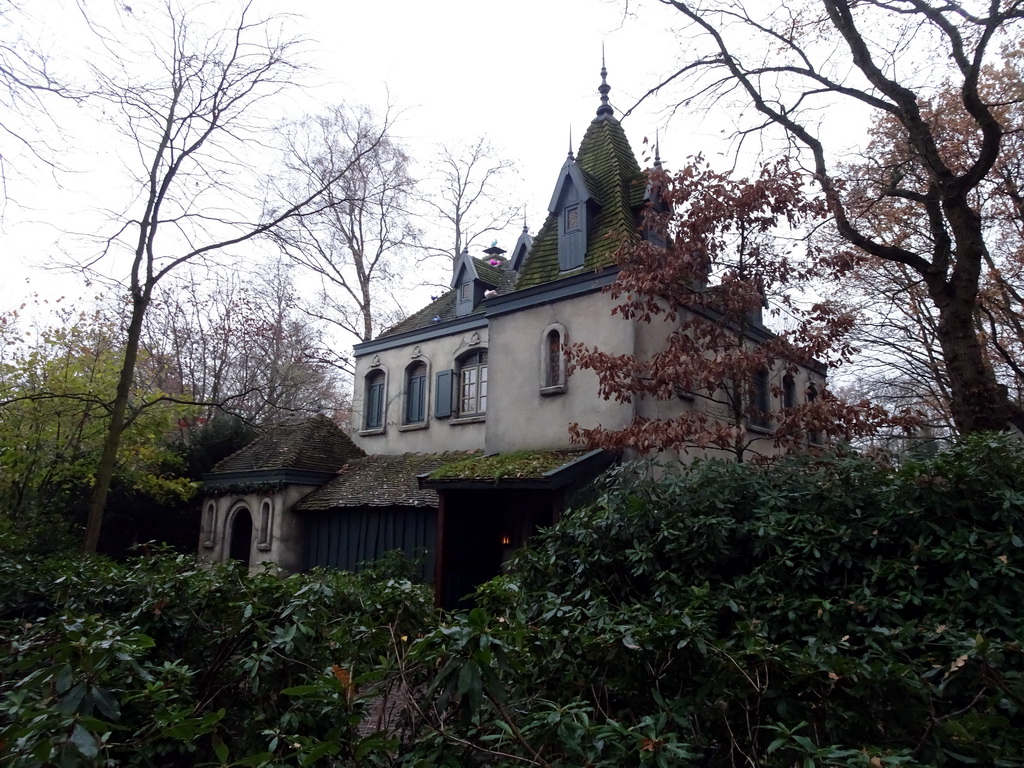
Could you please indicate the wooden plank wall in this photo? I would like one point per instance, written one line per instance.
(348, 539)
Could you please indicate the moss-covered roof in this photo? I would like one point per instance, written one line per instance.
(515, 465)
(379, 481)
(616, 185)
(316, 444)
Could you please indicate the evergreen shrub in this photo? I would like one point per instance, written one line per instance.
(822, 610)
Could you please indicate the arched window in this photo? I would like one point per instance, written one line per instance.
(373, 401)
(473, 383)
(416, 393)
(552, 360)
(553, 342)
(209, 524)
(263, 538)
(760, 399)
(812, 395)
(788, 391)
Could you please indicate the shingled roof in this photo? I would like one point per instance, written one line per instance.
(616, 184)
(316, 444)
(443, 307)
(380, 481)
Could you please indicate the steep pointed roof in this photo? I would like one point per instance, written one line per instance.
(616, 185)
(315, 445)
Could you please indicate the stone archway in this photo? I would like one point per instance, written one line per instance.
(240, 538)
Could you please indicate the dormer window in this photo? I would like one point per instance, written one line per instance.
(572, 241)
(466, 291)
(569, 203)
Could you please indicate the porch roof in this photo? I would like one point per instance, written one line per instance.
(542, 470)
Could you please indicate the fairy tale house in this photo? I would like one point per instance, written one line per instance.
(462, 447)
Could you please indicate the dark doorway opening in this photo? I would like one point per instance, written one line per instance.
(241, 536)
(479, 532)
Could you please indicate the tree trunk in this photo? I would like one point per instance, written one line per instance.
(115, 428)
(977, 401)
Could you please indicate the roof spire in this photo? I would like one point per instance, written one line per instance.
(570, 157)
(657, 150)
(605, 110)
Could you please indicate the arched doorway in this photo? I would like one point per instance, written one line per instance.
(241, 535)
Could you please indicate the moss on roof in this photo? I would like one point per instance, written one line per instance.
(379, 481)
(316, 444)
(487, 273)
(516, 465)
(617, 185)
(442, 308)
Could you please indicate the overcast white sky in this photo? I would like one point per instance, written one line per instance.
(524, 73)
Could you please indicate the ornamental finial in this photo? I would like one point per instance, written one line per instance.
(605, 110)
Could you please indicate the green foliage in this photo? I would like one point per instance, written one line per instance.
(818, 611)
(55, 391)
(821, 611)
(160, 662)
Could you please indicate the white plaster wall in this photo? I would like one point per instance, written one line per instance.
(519, 416)
(445, 434)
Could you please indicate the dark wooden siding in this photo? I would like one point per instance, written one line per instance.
(348, 539)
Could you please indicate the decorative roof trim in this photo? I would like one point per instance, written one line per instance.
(436, 331)
(571, 172)
(213, 480)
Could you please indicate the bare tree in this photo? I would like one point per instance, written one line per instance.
(191, 126)
(239, 346)
(468, 200)
(26, 80)
(355, 243)
(885, 58)
(898, 329)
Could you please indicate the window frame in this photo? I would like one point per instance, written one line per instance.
(474, 361)
(375, 414)
(419, 372)
(759, 408)
(553, 376)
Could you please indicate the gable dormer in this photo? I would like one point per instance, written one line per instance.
(521, 250)
(471, 279)
(595, 206)
(570, 206)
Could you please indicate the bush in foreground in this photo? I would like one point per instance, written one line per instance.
(819, 611)
(160, 662)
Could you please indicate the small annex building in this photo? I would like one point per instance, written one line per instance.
(461, 449)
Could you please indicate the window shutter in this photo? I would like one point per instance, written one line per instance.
(443, 388)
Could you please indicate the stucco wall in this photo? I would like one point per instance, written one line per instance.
(285, 542)
(520, 416)
(444, 434)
